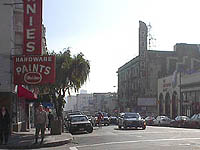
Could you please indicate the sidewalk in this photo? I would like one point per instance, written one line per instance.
(25, 140)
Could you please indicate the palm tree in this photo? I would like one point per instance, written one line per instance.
(71, 73)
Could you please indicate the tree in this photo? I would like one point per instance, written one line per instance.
(71, 73)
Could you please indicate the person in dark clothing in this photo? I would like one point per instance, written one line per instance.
(4, 125)
(50, 118)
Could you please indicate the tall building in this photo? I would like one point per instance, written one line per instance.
(138, 78)
(71, 103)
(11, 44)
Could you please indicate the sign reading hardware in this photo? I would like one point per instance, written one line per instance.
(34, 70)
(32, 27)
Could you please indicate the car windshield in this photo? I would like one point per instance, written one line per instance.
(78, 118)
(131, 115)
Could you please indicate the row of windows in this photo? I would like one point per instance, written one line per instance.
(133, 72)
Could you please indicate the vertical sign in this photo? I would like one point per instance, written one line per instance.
(142, 48)
(32, 27)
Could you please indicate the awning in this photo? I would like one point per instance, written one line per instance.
(23, 92)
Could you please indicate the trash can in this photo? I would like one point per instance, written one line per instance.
(56, 127)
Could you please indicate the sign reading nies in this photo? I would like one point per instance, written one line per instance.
(32, 27)
(34, 69)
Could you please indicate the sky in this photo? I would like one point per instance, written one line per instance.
(106, 31)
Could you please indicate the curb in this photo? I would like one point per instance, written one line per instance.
(37, 146)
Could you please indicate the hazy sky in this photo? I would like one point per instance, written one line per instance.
(106, 31)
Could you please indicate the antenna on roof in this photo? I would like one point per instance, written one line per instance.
(151, 39)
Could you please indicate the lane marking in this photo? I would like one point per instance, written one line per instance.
(125, 142)
(73, 148)
(184, 144)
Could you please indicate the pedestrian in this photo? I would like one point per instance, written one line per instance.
(40, 123)
(99, 118)
(50, 119)
(4, 125)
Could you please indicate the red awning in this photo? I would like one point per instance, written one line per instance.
(23, 92)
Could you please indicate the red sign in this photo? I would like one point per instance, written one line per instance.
(32, 27)
(34, 70)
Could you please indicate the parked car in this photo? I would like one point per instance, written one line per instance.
(149, 120)
(79, 123)
(67, 117)
(194, 121)
(162, 121)
(91, 119)
(113, 120)
(180, 121)
(131, 120)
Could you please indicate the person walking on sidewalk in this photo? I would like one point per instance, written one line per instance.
(4, 125)
(40, 123)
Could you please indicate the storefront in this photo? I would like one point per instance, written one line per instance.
(179, 94)
(168, 102)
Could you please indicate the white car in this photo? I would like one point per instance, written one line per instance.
(162, 120)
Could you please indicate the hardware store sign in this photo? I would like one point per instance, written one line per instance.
(34, 70)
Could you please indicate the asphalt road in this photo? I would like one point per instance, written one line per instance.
(153, 138)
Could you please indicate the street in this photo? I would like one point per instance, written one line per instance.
(153, 138)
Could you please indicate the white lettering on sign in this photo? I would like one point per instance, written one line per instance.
(31, 9)
(34, 59)
(32, 27)
(30, 47)
(38, 68)
(30, 34)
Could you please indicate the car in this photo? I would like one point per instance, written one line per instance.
(194, 121)
(113, 120)
(91, 119)
(149, 120)
(79, 123)
(129, 119)
(105, 120)
(66, 119)
(162, 121)
(180, 121)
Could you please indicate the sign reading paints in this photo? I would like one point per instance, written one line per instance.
(34, 69)
(32, 27)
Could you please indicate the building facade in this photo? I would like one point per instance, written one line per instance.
(138, 78)
(11, 44)
(179, 94)
(92, 103)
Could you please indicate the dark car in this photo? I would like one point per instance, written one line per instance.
(79, 123)
(131, 120)
(67, 118)
(180, 121)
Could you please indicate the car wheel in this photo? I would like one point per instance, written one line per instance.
(90, 130)
(70, 131)
(119, 127)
